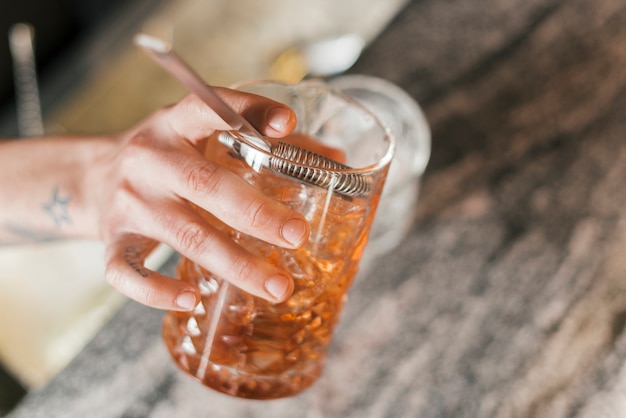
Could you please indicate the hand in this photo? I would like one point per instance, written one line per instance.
(145, 185)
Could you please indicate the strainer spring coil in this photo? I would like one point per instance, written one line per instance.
(316, 169)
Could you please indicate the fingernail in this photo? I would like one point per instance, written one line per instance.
(278, 118)
(186, 300)
(277, 286)
(294, 231)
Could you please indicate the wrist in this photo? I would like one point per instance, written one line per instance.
(95, 177)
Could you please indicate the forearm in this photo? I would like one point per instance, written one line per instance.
(42, 188)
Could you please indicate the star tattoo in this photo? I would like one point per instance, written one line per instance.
(57, 208)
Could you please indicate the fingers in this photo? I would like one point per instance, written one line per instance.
(232, 200)
(125, 271)
(193, 178)
(191, 235)
(188, 233)
(194, 120)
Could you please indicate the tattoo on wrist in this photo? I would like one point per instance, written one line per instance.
(57, 207)
(133, 257)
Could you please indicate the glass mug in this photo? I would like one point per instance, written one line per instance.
(248, 347)
(406, 120)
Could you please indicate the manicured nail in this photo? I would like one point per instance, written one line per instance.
(277, 286)
(294, 231)
(278, 118)
(186, 300)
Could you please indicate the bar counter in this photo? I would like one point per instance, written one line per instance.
(508, 298)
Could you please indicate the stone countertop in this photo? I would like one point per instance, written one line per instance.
(508, 298)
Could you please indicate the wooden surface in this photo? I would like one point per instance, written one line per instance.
(508, 299)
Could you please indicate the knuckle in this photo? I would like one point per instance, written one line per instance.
(246, 269)
(193, 236)
(145, 150)
(121, 211)
(260, 213)
(240, 102)
(205, 179)
(124, 196)
(134, 150)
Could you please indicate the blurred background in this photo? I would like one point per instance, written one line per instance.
(60, 24)
(91, 79)
(63, 30)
